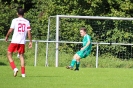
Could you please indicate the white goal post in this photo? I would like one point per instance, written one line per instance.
(57, 41)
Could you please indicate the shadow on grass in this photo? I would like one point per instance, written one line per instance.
(2, 64)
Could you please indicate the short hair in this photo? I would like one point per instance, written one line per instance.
(20, 11)
(84, 29)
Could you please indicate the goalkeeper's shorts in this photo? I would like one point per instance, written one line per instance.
(84, 53)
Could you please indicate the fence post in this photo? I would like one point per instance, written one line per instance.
(57, 40)
(36, 46)
(97, 55)
(46, 60)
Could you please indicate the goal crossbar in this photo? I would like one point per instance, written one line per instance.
(94, 17)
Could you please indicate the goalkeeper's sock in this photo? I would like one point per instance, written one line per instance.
(73, 63)
(77, 64)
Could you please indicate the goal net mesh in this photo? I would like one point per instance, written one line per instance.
(114, 38)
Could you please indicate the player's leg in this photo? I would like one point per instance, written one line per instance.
(73, 61)
(11, 49)
(75, 58)
(21, 51)
(79, 56)
(22, 65)
(83, 54)
(77, 64)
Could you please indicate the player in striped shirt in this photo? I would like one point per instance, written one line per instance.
(20, 28)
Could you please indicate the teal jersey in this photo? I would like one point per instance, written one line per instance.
(85, 40)
(84, 53)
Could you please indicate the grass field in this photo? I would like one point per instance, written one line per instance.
(51, 77)
(112, 72)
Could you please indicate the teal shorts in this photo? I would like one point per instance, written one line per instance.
(83, 53)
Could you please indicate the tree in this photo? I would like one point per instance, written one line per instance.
(100, 30)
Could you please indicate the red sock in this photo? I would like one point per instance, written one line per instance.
(12, 64)
(22, 70)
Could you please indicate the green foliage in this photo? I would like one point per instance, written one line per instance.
(38, 12)
(7, 13)
(38, 16)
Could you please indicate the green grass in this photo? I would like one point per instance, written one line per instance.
(52, 77)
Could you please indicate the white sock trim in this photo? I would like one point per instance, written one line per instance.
(23, 75)
(15, 69)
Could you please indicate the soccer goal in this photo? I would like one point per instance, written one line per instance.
(112, 36)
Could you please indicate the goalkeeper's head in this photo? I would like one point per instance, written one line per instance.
(83, 31)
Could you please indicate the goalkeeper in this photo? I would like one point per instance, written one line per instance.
(84, 51)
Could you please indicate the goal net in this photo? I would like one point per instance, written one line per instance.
(111, 37)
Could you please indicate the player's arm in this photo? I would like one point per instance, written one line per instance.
(30, 38)
(8, 33)
(88, 43)
(10, 30)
